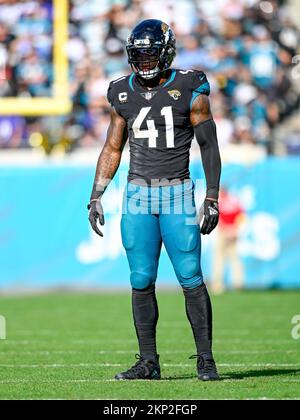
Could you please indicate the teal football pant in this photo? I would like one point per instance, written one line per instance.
(156, 215)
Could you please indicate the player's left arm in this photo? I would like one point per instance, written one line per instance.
(206, 136)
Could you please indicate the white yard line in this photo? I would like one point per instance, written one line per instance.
(54, 381)
(170, 342)
(173, 326)
(240, 365)
(79, 381)
(291, 380)
(129, 351)
(95, 365)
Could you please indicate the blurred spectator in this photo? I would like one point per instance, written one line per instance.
(245, 46)
(226, 252)
(12, 132)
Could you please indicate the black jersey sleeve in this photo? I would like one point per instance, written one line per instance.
(113, 97)
(199, 85)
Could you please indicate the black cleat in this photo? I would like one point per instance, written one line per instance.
(206, 368)
(143, 369)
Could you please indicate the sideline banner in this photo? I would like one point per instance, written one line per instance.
(46, 241)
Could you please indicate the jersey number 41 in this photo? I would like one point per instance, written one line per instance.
(152, 132)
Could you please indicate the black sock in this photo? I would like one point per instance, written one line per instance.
(199, 312)
(145, 314)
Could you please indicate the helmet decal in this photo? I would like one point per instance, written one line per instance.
(166, 30)
(138, 42)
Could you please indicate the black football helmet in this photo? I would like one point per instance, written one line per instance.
(151, 48)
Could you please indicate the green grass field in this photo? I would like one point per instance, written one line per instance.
(69, 346)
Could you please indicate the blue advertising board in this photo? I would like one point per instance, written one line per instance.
(46, 240)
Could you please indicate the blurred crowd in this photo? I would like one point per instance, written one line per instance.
(246, 47)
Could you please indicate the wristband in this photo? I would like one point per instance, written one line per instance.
(89, 205)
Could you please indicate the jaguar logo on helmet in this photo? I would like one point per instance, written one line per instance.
(164, 27)
(166, 30)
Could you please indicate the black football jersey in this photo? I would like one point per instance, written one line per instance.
(158, 121)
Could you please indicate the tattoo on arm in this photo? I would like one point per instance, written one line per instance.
(110, 157)
(200, 110)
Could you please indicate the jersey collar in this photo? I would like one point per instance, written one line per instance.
(134, 85)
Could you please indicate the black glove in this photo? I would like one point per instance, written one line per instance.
(96, 212)
(209, 216)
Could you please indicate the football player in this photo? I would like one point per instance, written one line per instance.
(160, 110)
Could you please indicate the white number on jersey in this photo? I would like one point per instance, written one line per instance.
(152, 132)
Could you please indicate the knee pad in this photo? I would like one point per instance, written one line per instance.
(188, 267)
(141, 280)
(189, 272)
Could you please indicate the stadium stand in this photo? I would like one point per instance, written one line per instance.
(247, 48)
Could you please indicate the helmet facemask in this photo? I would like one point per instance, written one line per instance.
(146, 61)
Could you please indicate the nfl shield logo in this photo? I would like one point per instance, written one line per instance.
(148, 95)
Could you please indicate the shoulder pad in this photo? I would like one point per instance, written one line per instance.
(200, 83)
(116, 89)
(195, 81)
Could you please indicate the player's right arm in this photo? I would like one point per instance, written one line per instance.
(107, 165)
